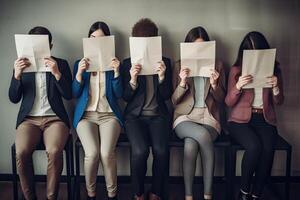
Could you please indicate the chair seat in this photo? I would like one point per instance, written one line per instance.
(281, 144)
(222, 141)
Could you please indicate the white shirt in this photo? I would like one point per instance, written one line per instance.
(97, 98)
(258, 100)
(41, 106)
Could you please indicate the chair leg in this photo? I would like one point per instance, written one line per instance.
(68, 166)
(227, 173)
(77, 179)
(288, 173)
(232, 171)
(14, 170)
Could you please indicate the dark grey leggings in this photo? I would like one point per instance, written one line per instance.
(197, 137)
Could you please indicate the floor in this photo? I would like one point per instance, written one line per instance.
(176, 191)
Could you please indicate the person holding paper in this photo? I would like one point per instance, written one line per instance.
(42, 117)
(98, 117)
(198, 102)
(252, 119)
(147, 120)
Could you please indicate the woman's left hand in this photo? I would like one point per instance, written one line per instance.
(161, 69)
(115, 64)
(273, 81)
(213, 79)
(52, 64)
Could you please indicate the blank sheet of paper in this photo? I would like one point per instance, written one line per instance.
(35, 48)
(198, 57)
(100, 51)
(147, 52)
(259, 64)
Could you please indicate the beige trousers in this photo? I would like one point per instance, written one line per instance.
(99, 134)
(30, 133)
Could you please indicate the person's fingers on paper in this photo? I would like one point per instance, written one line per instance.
(244, 80)
(137, 66)
(272, 80)
(115, 63)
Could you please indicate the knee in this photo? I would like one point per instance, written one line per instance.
(91, 155)
(190, 148)
(254, 149)
(139, 153)
(54, 153)
(161, 152)
(23, 154)
(107, 154)
(268, 151)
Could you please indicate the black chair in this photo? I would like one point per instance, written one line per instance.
(223, 141)
(281, 145)
(41, 147)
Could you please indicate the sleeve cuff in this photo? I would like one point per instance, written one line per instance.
(276, 91)
(134, 87)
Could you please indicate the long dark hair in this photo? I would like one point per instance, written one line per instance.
(99, 25)
(253, 40)
(195, 33)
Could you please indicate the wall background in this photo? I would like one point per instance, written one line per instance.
(227, 21)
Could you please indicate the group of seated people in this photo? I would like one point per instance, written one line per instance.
(147, 121)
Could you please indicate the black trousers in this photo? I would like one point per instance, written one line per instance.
(144, 132)
(258, 138)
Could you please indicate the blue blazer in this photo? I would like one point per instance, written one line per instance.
(113, 89)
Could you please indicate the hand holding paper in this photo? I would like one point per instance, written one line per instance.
(199, 57)
(100, 52)
(35, 48)
(52, 65)
(183, 74)
(213, 79)
(19, 66)
(161, 69)
(147, 52)
(259, 64)
(135, 70)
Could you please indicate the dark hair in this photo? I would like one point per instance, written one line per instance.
(253, 40)
(145, 27)
(99, 25)
(40, 30)
(195, 33)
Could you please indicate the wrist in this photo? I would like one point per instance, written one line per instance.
(18, 77)
(57, 76)
(161, 77)
(214, 86)
(133, 81)
(238, 87)
(116, 73)
(182, 84)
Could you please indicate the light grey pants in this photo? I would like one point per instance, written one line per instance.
(197, 138)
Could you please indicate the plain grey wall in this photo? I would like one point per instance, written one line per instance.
(226, 21)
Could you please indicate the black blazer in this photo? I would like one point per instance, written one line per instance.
(25, 87)
(135, 98)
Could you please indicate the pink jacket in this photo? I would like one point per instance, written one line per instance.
(240, 102)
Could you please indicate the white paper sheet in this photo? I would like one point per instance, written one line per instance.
(198, 57)
(146, 51)
(100, 51)
(259, 64)
(35, 48)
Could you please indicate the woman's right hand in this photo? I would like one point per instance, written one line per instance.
(82, 67)
(183, 74)
(244, 80)
(19, 66)
(134, 72)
